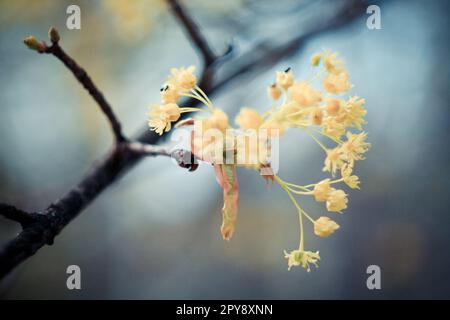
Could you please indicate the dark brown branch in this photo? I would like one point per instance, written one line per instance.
(14, 214)
(60, 213)
(193, 32)
(89, 85)
(47, 225)
(265, 55)
(184, 158)
(43, 228)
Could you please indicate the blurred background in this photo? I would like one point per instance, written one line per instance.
(155, 233)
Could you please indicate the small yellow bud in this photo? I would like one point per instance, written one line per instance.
(285, 78)
(53, 34)
(324, 226)
(249, 118)
(274, 92)
(332, 106)
(169, 94)
(34, 44)
(315, 60)
(322, 190)
(182, 79)
(316, 116)
(337, 201)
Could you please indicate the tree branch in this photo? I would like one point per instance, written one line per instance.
(44, 227)
(14, 214)
(86, 81)
(193, 32)
(184, 158)
(265, 55)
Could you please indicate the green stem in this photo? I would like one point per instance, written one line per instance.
(299, 209)
(317, 140)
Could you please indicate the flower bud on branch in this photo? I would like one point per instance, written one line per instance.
(34, 44)
(53, 34)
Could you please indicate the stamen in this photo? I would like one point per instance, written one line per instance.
(196, 97)
(204, 95)
(191, 109)
(317, 140)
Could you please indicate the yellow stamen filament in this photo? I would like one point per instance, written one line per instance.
(316, 140)
(191, 109)
(299, 209)
(196, 97)
(338, 141)
(204, 95)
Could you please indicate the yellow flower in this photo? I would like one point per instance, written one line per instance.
(332, 127)
(302, 258)
(337, 83)
(322, 190)
(169, 94)
(332, 64)
(274, 92)
(305, 95)
(324, 226)
(337, 200)
(285, 79)
(183, 78)
(214, 141)
(355, 146)
(352, 181)
(315, 59)
(218, 120)
(249, 118)
(161, 116)
(291, 113)
(334, 160)
(355, 112)
(347, 170)
(333, 106)
(316, 116)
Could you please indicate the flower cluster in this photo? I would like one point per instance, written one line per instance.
(322, 112)
(182, 82)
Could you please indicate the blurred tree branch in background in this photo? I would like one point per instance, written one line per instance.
(41, 228)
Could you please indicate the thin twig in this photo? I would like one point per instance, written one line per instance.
(148, 149)
(265, 55)
(193, 32)
(83, 77)
(184, 158)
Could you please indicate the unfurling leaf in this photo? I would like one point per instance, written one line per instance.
(227, 179)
